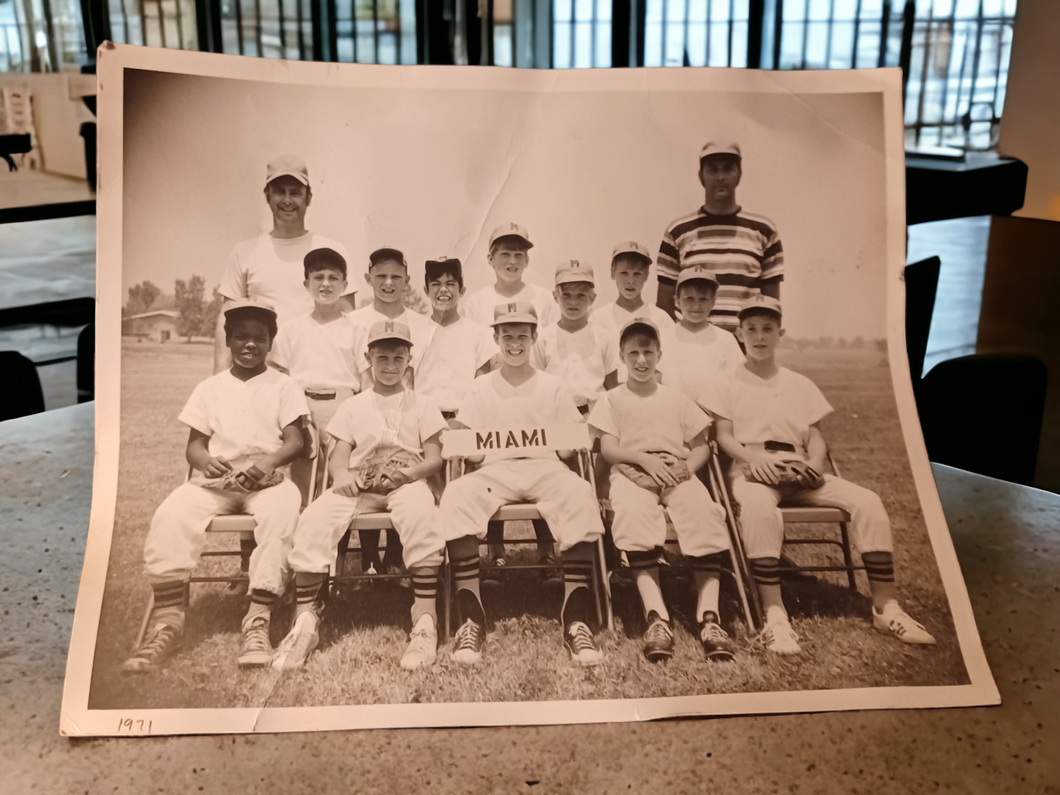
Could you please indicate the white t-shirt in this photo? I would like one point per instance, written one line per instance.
(693, 360)
(493, 403)
(580, 359)
(452, 356)
(611, 318)
(666, 421)
(377, 425)
(274, 270)
(779, 409)
(364, 318)
(244, 419)
(317, 354)
(480, 304)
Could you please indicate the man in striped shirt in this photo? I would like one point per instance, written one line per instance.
(742, 249)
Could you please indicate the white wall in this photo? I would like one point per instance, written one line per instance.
(57, 119)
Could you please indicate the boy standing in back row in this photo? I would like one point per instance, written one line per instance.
(768, 422)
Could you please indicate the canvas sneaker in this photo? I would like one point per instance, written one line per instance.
(468, 643)
(715, 641)
(581, 644)
(299, 643)
(659, 639)
(902, 626)
(159, 644)
(780, 638)
(423, 645)
(256, 651)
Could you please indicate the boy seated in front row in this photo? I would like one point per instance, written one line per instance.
(246, 423)
(517, 396)
(316, 350)
(768, 421)
(372, 431)
(654, 437)
(700, 351)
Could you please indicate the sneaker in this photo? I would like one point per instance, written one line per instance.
(405, 581)
(715, 641)
(780, 638)
(423, 645)
(299, 643)
(256, 651)
(902, 626)
(159, 644)
(551, 575)
(659, 639)
(492, 579)
(581, 644)
(468, 643)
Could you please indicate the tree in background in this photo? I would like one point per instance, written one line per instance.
(209, 319)
(141, 298)
(190, 306)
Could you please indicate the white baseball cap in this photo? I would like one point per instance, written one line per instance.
(765, 302)
(389, 330)
(510, 230)
(630, 247)
(515, 312)
(711, 148)
(287, 166)
(250, 305)
(696, 272)
(573, 270)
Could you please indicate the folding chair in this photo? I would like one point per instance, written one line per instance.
(803, 515)
(740, 571)
(460, 444)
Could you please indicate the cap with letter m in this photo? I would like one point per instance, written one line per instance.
(574, 270)
(697, 273)
(389, 330)
(249, 306)
(760, 303)
(515, 312)
(631, 247)
(510, 230)
(287, 166)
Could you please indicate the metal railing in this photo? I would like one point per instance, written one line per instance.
(704, 33)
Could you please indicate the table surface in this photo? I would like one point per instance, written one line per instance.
(1006, 537)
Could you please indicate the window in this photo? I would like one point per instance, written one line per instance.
(581, 33)
(704, 33)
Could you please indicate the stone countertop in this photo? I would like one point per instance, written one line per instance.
(1007, 538)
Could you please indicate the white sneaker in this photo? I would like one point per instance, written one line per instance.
(581, 644)
(902, 626)
(780, 638)
(299, 643)
(256, 650)
(423, 645)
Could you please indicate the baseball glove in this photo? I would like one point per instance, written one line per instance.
(674, 465)
(795, 475)
(377, 472)
(245, 482)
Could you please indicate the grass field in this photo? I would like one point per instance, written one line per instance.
(364, 633)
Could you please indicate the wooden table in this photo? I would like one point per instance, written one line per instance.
(1006, 537)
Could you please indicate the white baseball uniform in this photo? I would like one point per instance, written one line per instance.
(273, 269)
(376, 426)
(693, 360)
(580, 359)
(564, 500)
(782, 409)
(245, 421)
(666, 421)
(453, 355)
(611, 318)
(480, 304)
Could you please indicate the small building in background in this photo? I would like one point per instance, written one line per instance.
(157, 326)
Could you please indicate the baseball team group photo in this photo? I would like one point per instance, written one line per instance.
(488, 396)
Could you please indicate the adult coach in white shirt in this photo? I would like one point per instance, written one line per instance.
(270, 266)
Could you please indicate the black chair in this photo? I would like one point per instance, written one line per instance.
(921, 286)
(22, 393)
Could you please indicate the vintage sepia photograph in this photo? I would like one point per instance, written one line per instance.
(504, 397)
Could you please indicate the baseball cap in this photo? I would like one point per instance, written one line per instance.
(573, 270)
(249, 305)
(630, 247)
(386, 254)
(711, 148)
(510, 230)
(516, 312)
(696, 272)
(325, 258)
(761, 302)
(642, 324)
(389, 330)
(287, 166)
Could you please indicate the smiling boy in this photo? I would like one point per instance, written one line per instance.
(509, 256)
(245, 424)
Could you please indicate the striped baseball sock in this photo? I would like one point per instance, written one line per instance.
(261, 604)
(425, 593)
(169, 604)
(468, 595)
(766, 571)
(645, 566)
(707, 571)
(307, 591)
(577, 573)
(879, 566)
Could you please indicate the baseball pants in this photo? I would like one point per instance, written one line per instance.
(323, 412)
(762, 524)
(178, 531)
(564, 500)
(324, 522)
(640, 526)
